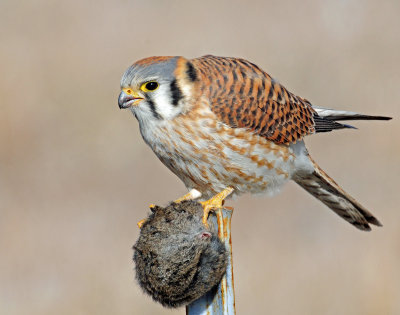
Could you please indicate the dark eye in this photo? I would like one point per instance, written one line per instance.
(149, 86)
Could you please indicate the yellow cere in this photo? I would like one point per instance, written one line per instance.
(131, 92)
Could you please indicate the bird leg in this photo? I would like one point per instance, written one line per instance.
(192, 194)
(215, 202)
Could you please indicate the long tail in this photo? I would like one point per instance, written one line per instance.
(324, 188)
(326, 118)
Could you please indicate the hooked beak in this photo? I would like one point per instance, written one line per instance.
(128, 98)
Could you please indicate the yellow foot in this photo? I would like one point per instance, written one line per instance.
(193, 194)
(215, 202)
(141, 222)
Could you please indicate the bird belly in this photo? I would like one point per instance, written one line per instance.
(212, 156)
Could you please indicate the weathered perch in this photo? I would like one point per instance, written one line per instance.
(222, 302)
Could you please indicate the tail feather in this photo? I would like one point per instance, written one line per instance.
(326, 125)
(324, 188)
(333, 114)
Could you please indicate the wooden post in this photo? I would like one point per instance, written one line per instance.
(222, 302)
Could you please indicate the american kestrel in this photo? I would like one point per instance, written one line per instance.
(220, 123)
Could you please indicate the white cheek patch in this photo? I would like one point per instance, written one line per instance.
(163, 103)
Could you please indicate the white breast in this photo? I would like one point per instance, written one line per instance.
(209, 156)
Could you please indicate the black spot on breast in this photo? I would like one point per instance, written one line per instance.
(176, 93)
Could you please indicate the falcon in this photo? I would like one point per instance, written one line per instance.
(223, 125)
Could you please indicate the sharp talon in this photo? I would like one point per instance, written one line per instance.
(205, 218)
(215, 202)
(192, 194)
(140, 223)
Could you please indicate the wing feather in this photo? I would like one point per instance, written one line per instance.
(242, 95)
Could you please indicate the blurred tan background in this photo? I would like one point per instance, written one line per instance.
(75, 175)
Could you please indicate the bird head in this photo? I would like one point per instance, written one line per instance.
(158, 88)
